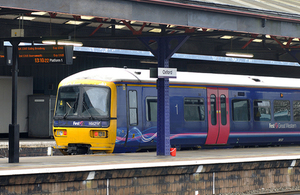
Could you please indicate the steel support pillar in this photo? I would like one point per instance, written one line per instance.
(163, 48)
(14, 127)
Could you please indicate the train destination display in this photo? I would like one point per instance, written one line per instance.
(45, 54)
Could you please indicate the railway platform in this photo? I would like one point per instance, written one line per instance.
(30, 147)
(204, 171)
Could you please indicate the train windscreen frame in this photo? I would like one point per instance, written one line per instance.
(83, 102)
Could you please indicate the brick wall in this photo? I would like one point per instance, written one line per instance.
(247, 178)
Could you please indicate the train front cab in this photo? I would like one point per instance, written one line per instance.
(85, 118)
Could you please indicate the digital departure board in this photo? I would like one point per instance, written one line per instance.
(2, 57)
(45, 54)
(6, 56)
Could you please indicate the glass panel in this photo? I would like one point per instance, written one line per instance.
(213, 109)
(194, 109)
(133, 116)
(95, 101)
(223, 110)
(282, 110)
(240, 110)
(296, 110)
(262, 110)
(151, 109)
(67, 101)
(132, 107)
(132, 99)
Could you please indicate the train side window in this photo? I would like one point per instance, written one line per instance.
(194, 109)
(296, 110)
(133, 108)
(262, 110)
(213, 109)
(282, 110)
(240, 110)
(151, 108)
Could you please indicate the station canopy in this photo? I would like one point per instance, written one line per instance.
(267, 29)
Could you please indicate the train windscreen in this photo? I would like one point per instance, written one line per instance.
(83, 102)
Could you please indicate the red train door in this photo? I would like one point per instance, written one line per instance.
(218, 116)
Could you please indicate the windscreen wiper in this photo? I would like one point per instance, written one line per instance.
(86, 108)
(71, 107)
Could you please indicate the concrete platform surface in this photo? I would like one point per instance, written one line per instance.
(32, 143)
(58, 164)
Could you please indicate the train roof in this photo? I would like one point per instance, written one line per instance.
(143, 76)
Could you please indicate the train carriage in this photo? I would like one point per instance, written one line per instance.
(115, 110)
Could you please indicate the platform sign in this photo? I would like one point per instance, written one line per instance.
(46, 54)
(167, 72)
(163, 72)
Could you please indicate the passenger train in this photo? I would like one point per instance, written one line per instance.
(115, 110)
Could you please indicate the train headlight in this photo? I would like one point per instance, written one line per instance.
(98, 134)
(60, 132)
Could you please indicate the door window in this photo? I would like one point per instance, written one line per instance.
(213, 109)
(223, 110)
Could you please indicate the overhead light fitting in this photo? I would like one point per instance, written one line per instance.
(226, 37)
(155, 30)
(296, 39)
(74, 43)
(117, 26)
(268, 36)
(25, 18)
(285, 43)
(39, 13)
(62, 42)
(129, 21)
(74, 22)
(257, 40)
(49, 42)
(87, 17)
(241, 55)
